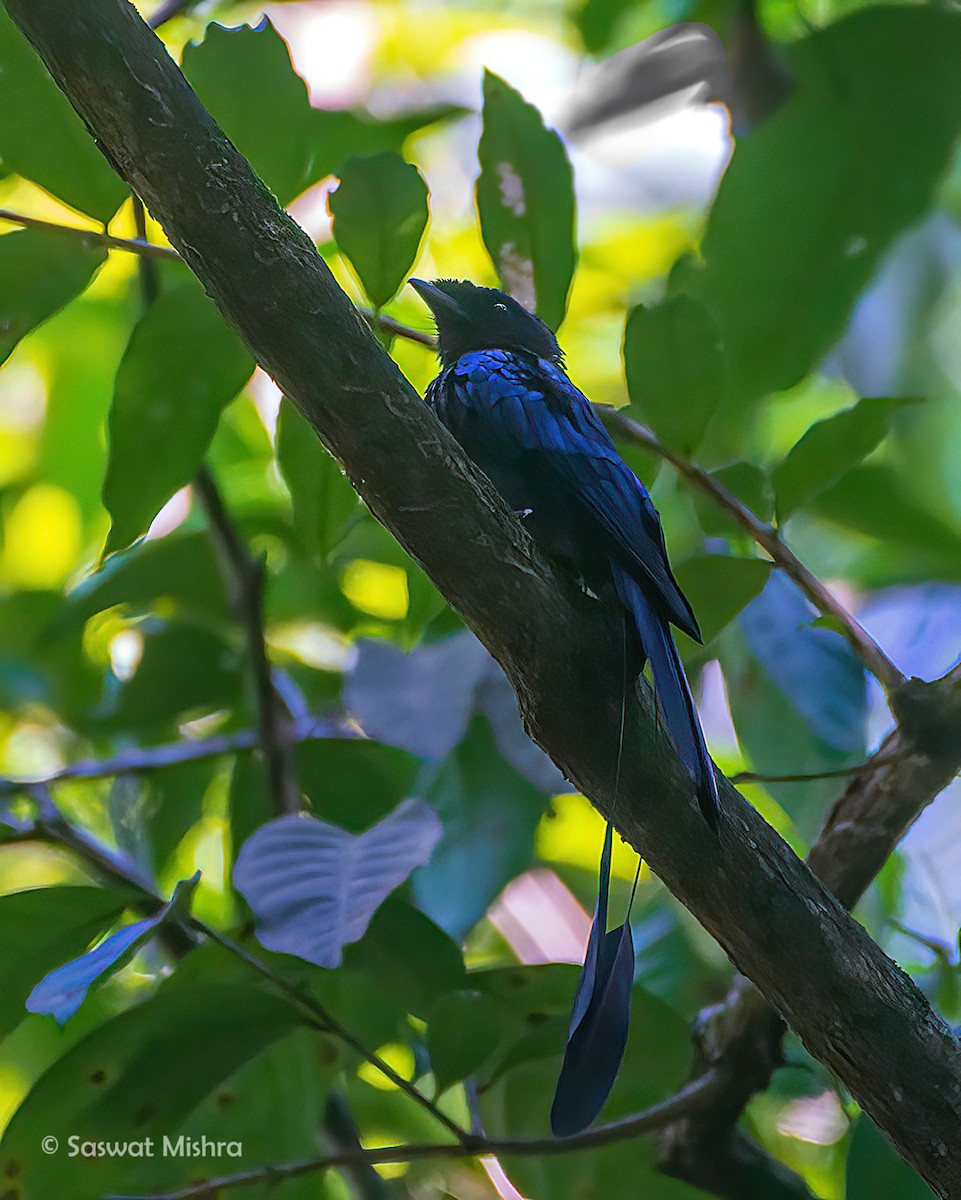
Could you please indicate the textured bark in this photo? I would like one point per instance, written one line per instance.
(853, 1007)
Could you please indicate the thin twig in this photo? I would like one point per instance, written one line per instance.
(768, 538)
(691, 1098)
(137, 761)
(871, 764)
(53, 828)
(91, 237)
(244, 577)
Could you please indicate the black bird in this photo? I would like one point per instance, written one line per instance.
(503, 393)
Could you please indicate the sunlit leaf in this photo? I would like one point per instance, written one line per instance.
(138, 1075)
(39, 273)
(40, 929)
(675, 369)
(380, 214)
(43, 139)
(181, 366)
(247, 82)
(787, 252)
(828, 449)
(525, 197)
(61, 993)
(314, 887)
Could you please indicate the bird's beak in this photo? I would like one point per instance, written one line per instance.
(439, 303)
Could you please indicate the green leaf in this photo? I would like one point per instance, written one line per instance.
(829, 449)
(675, 369)
(409, 955)
(324, 503)
(747, 483)
(719, 586)
(525, 197)
(136, 1076)
(380, 214)
(43, 139)
(183, 363)
(875, 1170)
(788, 250)
(354, 783)
(40, 929)
(873, 500)
(465, 1030)
(245, 79)
(39, 273)
(490, 813)
(184, 669)
(336, 134)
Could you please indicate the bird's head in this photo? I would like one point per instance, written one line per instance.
(479, 318)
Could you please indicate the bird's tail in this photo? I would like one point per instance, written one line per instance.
(672, 690)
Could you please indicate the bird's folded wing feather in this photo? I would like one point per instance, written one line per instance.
(535, 406)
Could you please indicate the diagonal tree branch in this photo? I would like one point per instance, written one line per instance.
(853, 1007)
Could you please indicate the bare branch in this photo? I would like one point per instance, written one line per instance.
(689, 1099)
(137, 761)
(90, 237)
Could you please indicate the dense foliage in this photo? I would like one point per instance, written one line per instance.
(166, 518)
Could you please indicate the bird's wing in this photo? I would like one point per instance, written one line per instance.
(531, 404)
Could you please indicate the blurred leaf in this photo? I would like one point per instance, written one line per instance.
(40, 929)
(675, 369)
(246, 81)
(336, 134)
(184, 669)
(875, 1170)
(464, 1031)
(421, 701)
(409, 954)
(380, 214)
(179, 569)
(324, 502)
(655, 1064)
(787, 252)
(314, 887)
(829, 449)
(43, 139)
(39, 273)
(747, 483)
(797, 697)
(489, 813)
(137, 1075)
(355, 783)
(815, 668)
(873, 500)
(167, 804)
(525, 198)
(181, 366)
(719, 586)
(61, 993)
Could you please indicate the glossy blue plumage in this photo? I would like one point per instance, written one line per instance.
(504, 395)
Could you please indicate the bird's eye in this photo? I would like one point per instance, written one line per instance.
(502, 307)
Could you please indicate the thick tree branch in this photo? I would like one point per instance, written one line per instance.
(854, 1008)
(740, 1039)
